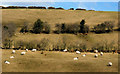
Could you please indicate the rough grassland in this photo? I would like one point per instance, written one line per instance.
(91, 39)
(19, 16)
(58, 62)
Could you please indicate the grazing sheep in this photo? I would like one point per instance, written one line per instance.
(7, 62)
(13, 51)
(95, 51)
(26, 50)
(101, 53)
(96, 55)
(33, 50)
(76, 58)
(77, 52)
(110, 64)
(12, 57)
(84, 55)
(65, 50)
(23, 53)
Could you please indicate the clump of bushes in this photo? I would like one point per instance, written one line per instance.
(24, 29)
(47, 28)
(104, 27)
(41, 27)
(72, 28)
(7, 32)
(38, 26)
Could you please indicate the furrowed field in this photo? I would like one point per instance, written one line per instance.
(57, 61)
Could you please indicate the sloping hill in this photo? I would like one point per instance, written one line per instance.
(20, 16)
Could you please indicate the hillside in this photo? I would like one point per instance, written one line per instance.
(19, 16)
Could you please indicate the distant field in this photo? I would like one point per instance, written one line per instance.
(19, 16)
(58, 62)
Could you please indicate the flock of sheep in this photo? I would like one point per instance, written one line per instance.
(96, 55)
(76, 58)
(22, 53)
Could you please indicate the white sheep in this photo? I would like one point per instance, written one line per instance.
(95, 51)
(26, 50)
(65, 50)
(101, 53)
(110, 64)
(76, 58)
(33, 50)
(13, 51)
(7, 62)
(96, 55)
(84, 55)
(23, 53)
(12, 57)
(77, 52)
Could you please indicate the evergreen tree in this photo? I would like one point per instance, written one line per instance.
(63, 28)
(38, 26)
(82, 23)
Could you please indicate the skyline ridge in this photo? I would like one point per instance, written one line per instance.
(98, 6)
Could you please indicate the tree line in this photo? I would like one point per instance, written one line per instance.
(43, 27)
(40, 7)
(45, 44)
(38, 27)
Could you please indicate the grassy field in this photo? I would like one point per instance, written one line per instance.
(61, 16)
(57, 16)
(58, 62)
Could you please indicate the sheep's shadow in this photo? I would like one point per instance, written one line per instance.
(108, 65)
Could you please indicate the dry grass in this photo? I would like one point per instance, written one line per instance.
(58, 62)
(61, 16)
(19, 16)
(106, 37)
(91, 39)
